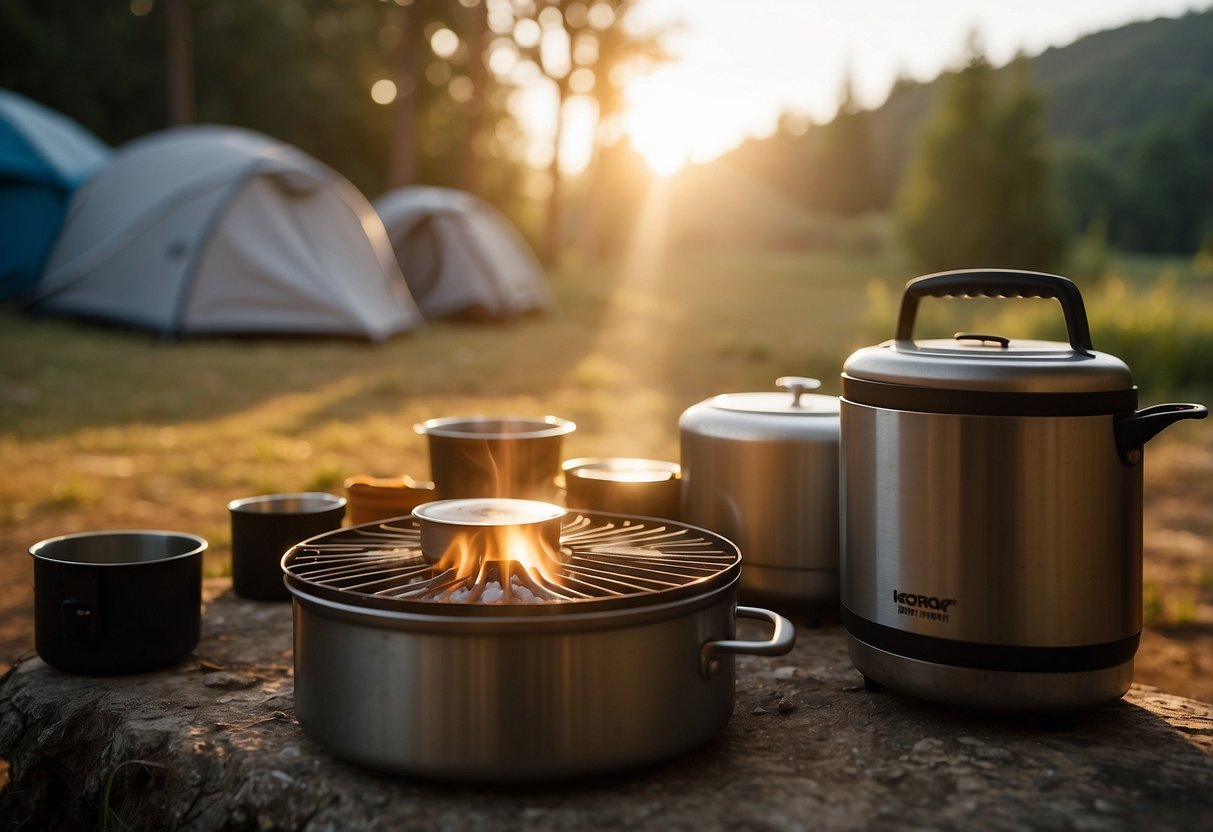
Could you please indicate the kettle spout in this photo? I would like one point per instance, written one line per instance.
(1136, 429)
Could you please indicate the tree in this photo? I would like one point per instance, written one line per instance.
(1031, 228)
(579, 47)
(103, 81)
(444, 93)
(402, 156)
(364, 86)
(179, 61)
(843, 170)
(1089, 183)
(476, 21)
(615, 178)
(979, 188)
(1166, 195)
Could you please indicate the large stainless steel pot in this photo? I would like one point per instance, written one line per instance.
(762, 470)
(992, 508)
(515, 692)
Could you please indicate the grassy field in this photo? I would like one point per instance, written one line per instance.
(112, 428)
(101, 428)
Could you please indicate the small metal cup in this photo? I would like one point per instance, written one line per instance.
(264, 527)
(489, 529)
(623, 485)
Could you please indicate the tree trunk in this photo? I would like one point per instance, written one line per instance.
(592, 234)
(553, 229)
(477, 31)
(179, 57)
(402, 163)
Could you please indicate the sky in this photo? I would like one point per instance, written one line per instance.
(740, 63)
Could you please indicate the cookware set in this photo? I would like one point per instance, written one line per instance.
(493, 636)
(622, 654)
(970, 506)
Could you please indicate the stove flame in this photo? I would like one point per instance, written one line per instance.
(500, 556)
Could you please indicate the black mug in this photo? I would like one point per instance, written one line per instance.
(265, 527)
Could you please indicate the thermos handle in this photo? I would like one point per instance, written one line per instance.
(1133, 430)
(998, 283)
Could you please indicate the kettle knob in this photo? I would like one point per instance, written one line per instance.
(797, 386)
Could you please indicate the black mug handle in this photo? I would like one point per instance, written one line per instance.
(998, 283)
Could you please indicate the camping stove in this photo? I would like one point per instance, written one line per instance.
(615, 648)
(594, 560)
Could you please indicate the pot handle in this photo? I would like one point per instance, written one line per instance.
(783, 637)
(1136, 429)
(998, 283)
(80, 610)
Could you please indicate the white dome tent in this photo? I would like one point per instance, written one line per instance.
(219, 230)
(460, 256)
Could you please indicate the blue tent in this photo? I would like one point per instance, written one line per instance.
(44, 157)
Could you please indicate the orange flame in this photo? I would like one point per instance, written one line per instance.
(516, 558)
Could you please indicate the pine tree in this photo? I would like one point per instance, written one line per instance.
(979, 189)
(843, 172)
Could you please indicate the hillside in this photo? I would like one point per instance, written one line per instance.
(1128, 112)
(1116, 81)
(1099, 89)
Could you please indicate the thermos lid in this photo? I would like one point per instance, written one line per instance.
(988, 362)
(950, 374)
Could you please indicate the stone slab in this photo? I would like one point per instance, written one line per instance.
(213, 744)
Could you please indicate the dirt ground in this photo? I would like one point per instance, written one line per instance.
(1176, 652)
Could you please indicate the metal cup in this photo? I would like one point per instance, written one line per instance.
(123, 601)
(486, 456)
(264, 527)
(624, 485)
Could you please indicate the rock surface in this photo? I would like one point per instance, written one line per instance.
(213, 744)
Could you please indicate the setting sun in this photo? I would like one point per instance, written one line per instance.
(672, 120)
(659, 142)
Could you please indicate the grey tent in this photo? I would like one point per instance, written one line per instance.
(218, 230)
(460, 256)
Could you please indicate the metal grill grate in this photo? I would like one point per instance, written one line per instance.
(606, 558)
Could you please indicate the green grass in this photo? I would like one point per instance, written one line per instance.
(1171, 610)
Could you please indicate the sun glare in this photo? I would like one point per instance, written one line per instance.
(674, 118)
(658, 129)
(659, 142)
